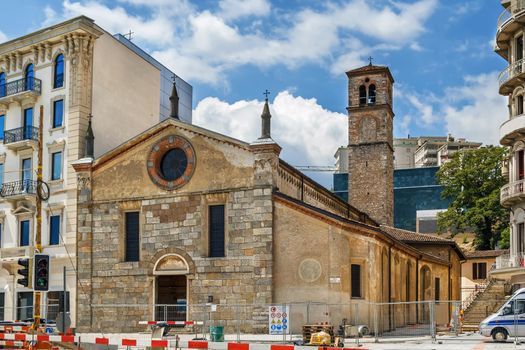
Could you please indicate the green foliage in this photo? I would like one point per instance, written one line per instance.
(472, 180)
(504, 242)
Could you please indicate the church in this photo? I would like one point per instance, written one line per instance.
(182, 215)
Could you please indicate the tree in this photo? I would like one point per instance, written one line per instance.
(472, 180)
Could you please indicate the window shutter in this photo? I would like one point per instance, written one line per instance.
(132, 236)
(54, 230)
(356, 281)
(216, 231)
(482, 271)
(475, 271)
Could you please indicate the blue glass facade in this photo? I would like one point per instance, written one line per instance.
(414, 189)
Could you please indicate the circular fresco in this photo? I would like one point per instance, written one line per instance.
(310, 270)
(171, 162)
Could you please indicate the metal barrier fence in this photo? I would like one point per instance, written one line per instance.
(358, 320)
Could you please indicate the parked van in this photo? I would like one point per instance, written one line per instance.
(508, 320)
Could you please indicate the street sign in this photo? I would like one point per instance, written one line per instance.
(278, 320)
(60, 324)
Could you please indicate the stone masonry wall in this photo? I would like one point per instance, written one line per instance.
(178, 224)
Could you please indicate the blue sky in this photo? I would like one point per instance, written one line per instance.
(440, 53)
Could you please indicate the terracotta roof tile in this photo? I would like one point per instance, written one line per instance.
(410, 236)
(486, 253)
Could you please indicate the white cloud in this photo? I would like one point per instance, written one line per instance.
(233, 9)
(51, 16)
(193, 41)
(473, 110)
(3, 37)
(476, 110)
(296, 123)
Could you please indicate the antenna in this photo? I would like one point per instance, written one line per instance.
(129, 35)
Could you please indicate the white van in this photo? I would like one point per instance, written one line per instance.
(509, 318)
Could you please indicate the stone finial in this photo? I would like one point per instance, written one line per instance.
(174, 99)
(90, 140)
(266, 116)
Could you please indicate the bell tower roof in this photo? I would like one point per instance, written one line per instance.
(370, 69)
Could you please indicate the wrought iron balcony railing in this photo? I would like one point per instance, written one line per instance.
(510, 260)
(511, 71)
(15, 188)
(20, 85)
(21, 134)
(516, 7)
(511, 190)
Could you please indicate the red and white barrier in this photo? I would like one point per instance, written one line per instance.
(14, 328)
(172, 323)
(12, 339)
(11, 343)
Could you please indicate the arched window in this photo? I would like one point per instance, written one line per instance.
(362, 95)
(519, 105)
(372, 94)
(2, 84)
(30, 77)
(58, 80)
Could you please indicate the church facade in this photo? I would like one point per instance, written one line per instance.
(182, 215)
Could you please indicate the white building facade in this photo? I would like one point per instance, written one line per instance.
(76, 72)
(509, 45)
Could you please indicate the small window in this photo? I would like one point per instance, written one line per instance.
(519, 105)
(356, 281)
(55, 304)
(216, 231)
(24, 305)
(372, 94)
(58, 80)
(362, 95)
(54, 230)
(479, 271)
(24, 233)
(2, 84)
(58, 113)
(132, 236)
(56, 166)
(437, 286)
(521, 165)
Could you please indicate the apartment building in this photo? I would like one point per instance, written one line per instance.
(509, 45)
(81, 77)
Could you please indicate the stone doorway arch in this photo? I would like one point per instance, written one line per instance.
(171, 290)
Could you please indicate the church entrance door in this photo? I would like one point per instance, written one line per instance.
(171, 301)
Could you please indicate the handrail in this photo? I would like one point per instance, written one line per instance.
(511, 71)
(510, 260)
(510, 12)
(14, 188)
(512, 189)
(20, 85)
(21, 134)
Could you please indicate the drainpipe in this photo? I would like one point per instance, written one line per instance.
(417, 290)
(390, 287)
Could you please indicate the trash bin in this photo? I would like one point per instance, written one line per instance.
(216, 333)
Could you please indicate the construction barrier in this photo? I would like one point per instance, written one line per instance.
(172, 323)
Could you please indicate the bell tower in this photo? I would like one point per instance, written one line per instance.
(370, 142)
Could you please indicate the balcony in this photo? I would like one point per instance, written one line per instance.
(512, 193)
(18, 190)
(510, 20)
(20, 90)
(511, 77)
(14, 253)
(21, 138)
(512, 130)
(508, 265)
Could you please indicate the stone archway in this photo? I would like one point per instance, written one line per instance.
(171, 272)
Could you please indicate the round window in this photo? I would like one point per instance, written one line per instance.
(173, 164)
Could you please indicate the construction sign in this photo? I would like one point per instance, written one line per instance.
(278, 319)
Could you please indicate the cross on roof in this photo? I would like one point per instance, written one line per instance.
(266, 93)
(370, 60)
(129, 35)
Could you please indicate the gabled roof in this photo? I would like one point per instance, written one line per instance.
(154, 130)
(411, 237)
(486, 253)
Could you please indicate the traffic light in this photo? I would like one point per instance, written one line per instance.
(41, 264)
(25, 271)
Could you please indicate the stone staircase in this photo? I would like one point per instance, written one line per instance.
(485, 302)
